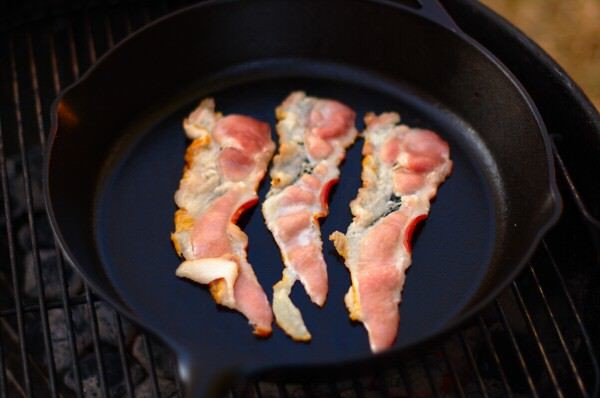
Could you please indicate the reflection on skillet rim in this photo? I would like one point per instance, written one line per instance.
(552, 215)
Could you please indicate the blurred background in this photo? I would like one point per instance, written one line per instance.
(569, 30)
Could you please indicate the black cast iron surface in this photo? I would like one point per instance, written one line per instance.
(151, 168)
(514, 348)
(126, 140)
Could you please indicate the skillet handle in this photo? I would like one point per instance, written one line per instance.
(210, 378)
(434, 11)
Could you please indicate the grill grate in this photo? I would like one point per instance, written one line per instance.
(58, 339)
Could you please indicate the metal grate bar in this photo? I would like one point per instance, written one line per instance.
(450, 365)
(13, 266)
(122, 356)
(110, 41)
(36, 90)
(32, 227)
(88, 295)
(116, 24)
(73, 51)
(15, 384)
(488, 339)
(558, 332)
(96, 342)
(150, 356)
(52, 304)
(14, 276)
(54, 65)
(91, 45)
(473, 363)
(69, 325)
(535, 335)
(517, 349)
(586, 338)
(573, 189)
(117, 317)
(66, 307)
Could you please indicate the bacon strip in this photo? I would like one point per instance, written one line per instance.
(402, 170)
(313, 137)
(225, 162)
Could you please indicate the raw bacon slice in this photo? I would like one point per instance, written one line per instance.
(313, 136)
(402, 170)
(224, 164)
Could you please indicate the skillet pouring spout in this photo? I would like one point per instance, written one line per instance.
(208, 379)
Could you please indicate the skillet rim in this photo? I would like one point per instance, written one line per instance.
(549, 213)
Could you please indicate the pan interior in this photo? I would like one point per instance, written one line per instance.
(134, 217)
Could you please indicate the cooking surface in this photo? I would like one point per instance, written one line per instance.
(445, 272)
(534, 341)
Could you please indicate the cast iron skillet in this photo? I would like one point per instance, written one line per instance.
(116, 155)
